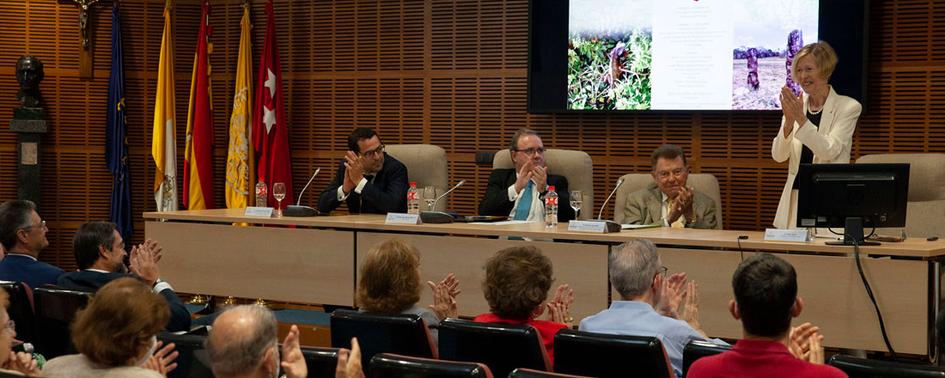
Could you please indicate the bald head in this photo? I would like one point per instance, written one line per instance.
(241, 340)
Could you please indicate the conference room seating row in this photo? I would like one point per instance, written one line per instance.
(42, 316)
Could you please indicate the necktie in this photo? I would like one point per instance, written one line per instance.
(524, 203)
(680, 222)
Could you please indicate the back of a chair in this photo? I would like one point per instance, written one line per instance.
(576, 166)
(863, 368)
(387, 365)
(925, 210)
(426, 164)
(532, 373)
(405, 334)
(192, 360)
(502, 347)
(606, 355)
(321, 361)
(697, 349)
(704, 183)
(55, 310)
(20, 309)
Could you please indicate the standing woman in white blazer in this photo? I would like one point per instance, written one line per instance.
(816, 127)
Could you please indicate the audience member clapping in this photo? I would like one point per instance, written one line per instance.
(516, 286)
(389, 283)
(116, 335)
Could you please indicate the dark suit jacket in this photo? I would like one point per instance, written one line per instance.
(386, 193)
(19, 268)
(87, 280)
(497, 195)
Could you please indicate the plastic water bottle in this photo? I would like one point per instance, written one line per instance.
(551, 207)
(413, 199)
(262, 194)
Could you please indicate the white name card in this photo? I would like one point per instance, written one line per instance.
(789, 235)
(401, 218)
(254, 211)
(587, 226)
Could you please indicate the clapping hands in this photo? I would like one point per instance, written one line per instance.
(559, 308)
(806, 343)
(444, 297)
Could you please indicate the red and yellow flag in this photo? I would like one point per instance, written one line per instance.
(198, 156)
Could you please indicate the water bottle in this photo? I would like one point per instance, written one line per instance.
(262, 194)
(551, 207)
(413, 199)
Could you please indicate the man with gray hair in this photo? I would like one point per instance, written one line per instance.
(243, 343)
(650, 304)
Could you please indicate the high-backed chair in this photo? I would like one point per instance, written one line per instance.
(576, 166)
(387, 365)
(21, 309)
(864, 368)
(189, 362)
(55, 310)
(402, 334)
(606, 355)
(427, 165)
(502, 347)
(704, 183)
(697, 349)
(925, 211)
(321, 361)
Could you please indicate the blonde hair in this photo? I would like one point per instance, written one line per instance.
(824, 58)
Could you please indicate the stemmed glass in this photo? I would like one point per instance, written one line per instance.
(278, 192)
(429, 195)
(576, 201)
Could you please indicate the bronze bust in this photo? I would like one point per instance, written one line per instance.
(29, 72)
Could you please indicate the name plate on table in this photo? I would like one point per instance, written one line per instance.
(254, 211)
(791, 235)
(401, 218)
(587, 226)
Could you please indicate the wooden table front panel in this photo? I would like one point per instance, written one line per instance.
(582, 266)
(275, 263)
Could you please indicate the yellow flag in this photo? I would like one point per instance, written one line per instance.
(163, 140)
(240, 155)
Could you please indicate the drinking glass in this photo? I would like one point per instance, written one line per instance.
(429, 195)
(278, 192)
(576, 201)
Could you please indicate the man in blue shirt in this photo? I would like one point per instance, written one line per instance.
(651, 304)
(23, 235)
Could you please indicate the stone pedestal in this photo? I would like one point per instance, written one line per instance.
(29, 134)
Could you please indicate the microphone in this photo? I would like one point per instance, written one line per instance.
(439, 216)
(611, 225)
(298, 210)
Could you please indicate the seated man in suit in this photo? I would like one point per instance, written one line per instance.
(23, 234)
(766, 299)
(100, 252)
(368, 180)
(518, 192)
(668, 201)
(650, 304)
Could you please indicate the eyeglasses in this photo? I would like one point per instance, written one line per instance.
(662, 271)
(10, 325)
(372, 153)
(678, 172)
(532, 151)
(42, 224)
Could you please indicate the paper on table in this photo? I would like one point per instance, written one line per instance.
(639, 226)
(504, 222)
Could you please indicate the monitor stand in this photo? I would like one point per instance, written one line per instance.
(853, 230)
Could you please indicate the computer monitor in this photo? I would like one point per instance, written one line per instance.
(852, 196)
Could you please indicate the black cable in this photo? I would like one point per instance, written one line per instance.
(869, 292)
(741, 252)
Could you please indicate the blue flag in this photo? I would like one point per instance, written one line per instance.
(116, 145)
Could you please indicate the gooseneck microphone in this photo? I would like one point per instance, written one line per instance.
(298, 210)
(619, 183)
(440, 216)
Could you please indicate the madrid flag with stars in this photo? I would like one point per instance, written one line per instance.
(270, 131)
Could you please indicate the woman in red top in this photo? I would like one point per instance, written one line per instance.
(516, 286)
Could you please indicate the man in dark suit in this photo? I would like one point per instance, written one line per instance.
(368, 180)
(518, 192)
(23, 235)
(100, 254)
